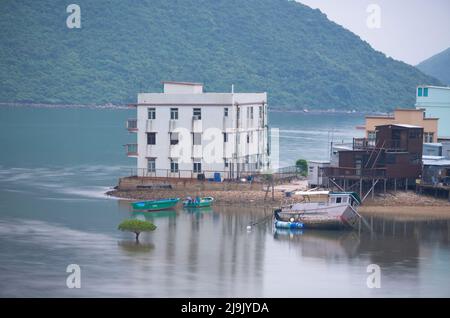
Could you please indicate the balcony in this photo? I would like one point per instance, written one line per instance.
(150, 125)
(132, 125)
(197, 125)
(132, 150)
(392, 145)
(172, 124)
(341, 172)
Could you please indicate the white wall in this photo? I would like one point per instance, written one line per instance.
(212, 125)
(437, 104)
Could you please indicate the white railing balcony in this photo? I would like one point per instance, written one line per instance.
(152, 151)
(150, 125)
(132, 125)
(132, 150)
(175, 151)
(197, 125)
(197, 151)
(172, 124)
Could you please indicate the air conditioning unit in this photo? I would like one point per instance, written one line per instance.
(195, 117)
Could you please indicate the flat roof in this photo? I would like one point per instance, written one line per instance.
(400, 125)
(444, 162)
(431, 86)
(182, 83)
(319, 161)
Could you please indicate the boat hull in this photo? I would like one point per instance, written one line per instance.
(155, 205)
(337, 217)
(203, 203)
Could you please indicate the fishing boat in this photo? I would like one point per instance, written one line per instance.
(198, 202)
(334, 211)
(155, 205)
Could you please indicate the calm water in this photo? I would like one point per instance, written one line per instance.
(55, 165)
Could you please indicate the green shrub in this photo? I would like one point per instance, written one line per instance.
(136, 226)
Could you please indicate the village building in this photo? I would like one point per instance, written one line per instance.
(185, 132)
(409, 116)
(392, 160)
(435, 101)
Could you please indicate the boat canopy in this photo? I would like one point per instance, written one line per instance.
(330, 193)
(352, 194)
(311, 193)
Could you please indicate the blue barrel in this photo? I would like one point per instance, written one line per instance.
(288, 225)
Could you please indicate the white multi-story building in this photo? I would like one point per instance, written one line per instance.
(436, 102)
(184, 132)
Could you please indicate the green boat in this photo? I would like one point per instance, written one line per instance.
(155, 205)
(198, 202)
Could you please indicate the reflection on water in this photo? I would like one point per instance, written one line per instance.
(53, 213)
(133, 247)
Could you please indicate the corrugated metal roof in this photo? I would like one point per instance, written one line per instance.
(436, 162)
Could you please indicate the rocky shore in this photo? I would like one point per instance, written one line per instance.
(230, 197)
(400, 203)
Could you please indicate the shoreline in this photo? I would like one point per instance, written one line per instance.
(401, 204)
(125, 106)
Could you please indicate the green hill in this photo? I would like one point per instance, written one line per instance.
(438, 66)
(285, 48)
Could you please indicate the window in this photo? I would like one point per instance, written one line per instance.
(151, 165)
(425, 92)
(419, 91)
(197, 113)
(338, 200)
(197, 167)
(225, 137)
(390, 158)
(173, 165)
(371, 137)
(151, 138)
(174, 113)
(151, 113)
(414, 133)
(174, 138)
(414, 158)
(225, 162)
(260, 112)
(251, 112)
(428, 137)
(196, 138)
(225, 112)
(248, 138)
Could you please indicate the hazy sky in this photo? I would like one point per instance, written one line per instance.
(410, 30)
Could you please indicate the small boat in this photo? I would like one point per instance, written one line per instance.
(198, 202)
(337, 212)
(155, 205)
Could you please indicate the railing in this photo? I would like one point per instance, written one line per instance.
(369, 144)
(132, 125)
(131, 149)
(253, 175)
(353, 172)
(362, 144)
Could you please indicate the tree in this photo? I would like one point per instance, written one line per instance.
(302, 167)
(136, 226)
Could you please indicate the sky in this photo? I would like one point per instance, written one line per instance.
(406, 30)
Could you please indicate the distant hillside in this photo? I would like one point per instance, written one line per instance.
(285, 48)
(438, 66)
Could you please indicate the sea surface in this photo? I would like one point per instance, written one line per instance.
(56, 164)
